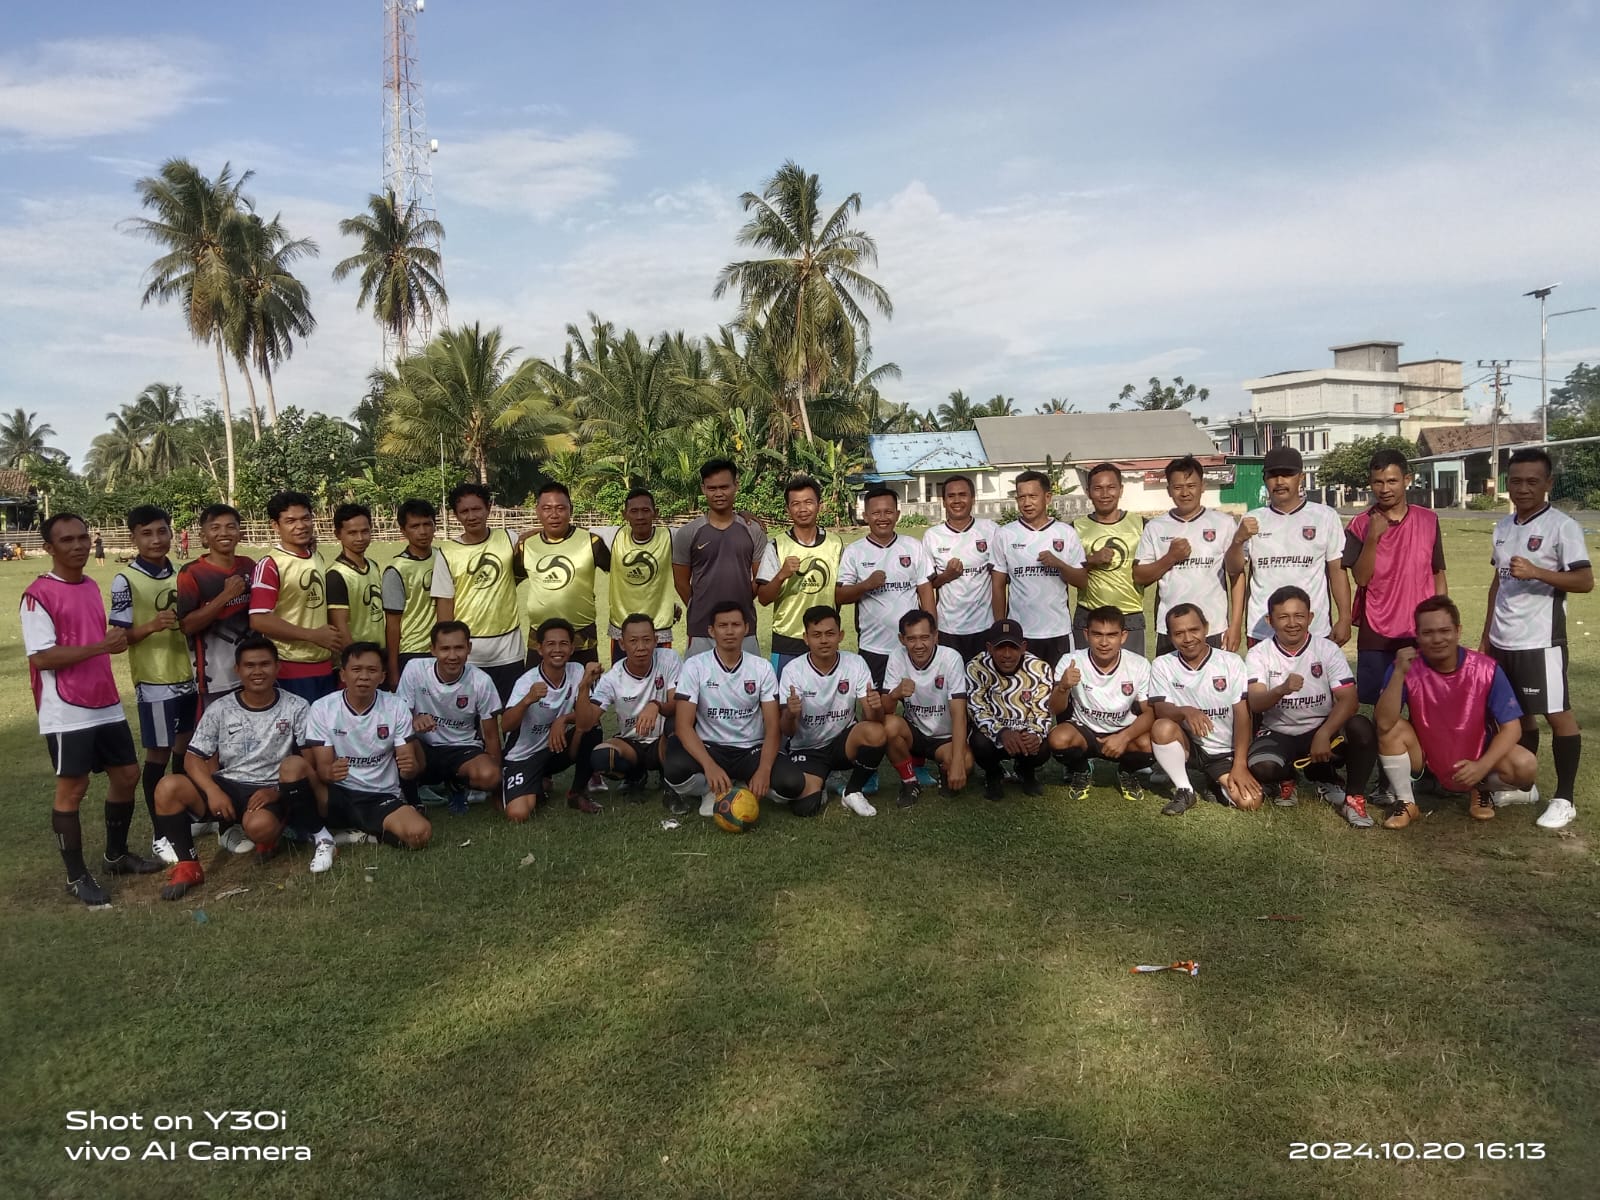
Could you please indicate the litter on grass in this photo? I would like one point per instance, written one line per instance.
(527, 860)
(235, 891)
(466, 843)
(1280, 917)
(1186, 967)
(670, 824)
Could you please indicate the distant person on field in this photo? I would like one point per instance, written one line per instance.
(885, 575)
(963, 551)
(715, 556)
(1539, 557)
(1395, 551)
(1110, 535)
(183, 543)
(1184, 551)
(99, 550)
(799, 570)
(1040, 558)
(214, 603)
(475, 579)
(289, 601)
(68, 643)
(408, 611)
(640, 576)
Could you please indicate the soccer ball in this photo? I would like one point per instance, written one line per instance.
(738, 810)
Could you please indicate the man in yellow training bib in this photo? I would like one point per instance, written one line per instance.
(1110, 536)
(641, 573)
(475, 579)
(561, 561)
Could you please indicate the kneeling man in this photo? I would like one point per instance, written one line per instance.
(454, 709)
(929, 681)
(1009, 697)
(1110, 718)
(542, 719)
(822, 689)
(639, 686)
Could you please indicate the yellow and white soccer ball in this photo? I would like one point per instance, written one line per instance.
(738, 810)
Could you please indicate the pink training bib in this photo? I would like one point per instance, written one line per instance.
(78, 612)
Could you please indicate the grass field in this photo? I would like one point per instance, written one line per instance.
(934, 1003)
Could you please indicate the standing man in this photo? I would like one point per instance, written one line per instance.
(963, 551)
(714, 557)
(1184, 551)
(1200, 696)
(929, 682)
(1463, 727)
(1008, 697)
(144, 603)
(640, 688)
(99, 549)
(885, 575)
(1040, 558)
(455, 713)
(1396, 553)
(1102, 695)
(1293, 542)
(475, 579)
(214, 603)
(798, 571)
(1539, 556)
(640, 576)
(80, 713)
(408, 615)
(289, 601)
(1110, 536)
(560, 561)
(183, 544)
(355, 585)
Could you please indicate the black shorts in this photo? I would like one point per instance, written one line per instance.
(504, 676)
(1538, 677)
(239, 794)
(968, 645)
(1164, 643)
(1091, 739)
(442, 764)
(366, 811)
(877, 664)
(529, 776)
(1051, 649)
(85, 751)
(646, 755)
(925, 747)
(820, 760)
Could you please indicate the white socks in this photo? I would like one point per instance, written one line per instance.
(1397, 770)
(1172, 760)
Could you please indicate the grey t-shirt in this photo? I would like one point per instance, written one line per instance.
(720, 562)
(246, 744)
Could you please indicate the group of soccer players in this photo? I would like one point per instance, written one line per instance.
(279, 698)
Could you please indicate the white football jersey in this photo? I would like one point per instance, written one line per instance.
(1214, 687)
(458, 709)
(1039, 600)
(827, 702)
(1104, 701)
(366, 740)
(533, 734)
(1293, 548)
(249, 744)
(1200, 579)
(942, 680)
(1321, 666)
(728, 700)
(1529, 615)
(625, 693)
(905, 564)
(966, 602)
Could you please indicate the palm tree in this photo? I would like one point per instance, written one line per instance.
(1160, 397)
(273, 307)
(463, 387)
(998, 406)
(190, 220)
(119, 452)
(809, 293)
(21, 440)
(158, 419)
(399, 265)
(1056, 407)
(958, 412)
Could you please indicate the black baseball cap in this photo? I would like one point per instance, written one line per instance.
(1005, 630)
(1284, 460)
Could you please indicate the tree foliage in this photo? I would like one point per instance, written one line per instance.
(1159, 396)
(1347, 465)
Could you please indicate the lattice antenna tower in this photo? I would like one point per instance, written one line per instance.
(407, 150)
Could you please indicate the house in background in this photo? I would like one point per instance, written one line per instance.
(1453, 462)
(914, 465)
(19, 506)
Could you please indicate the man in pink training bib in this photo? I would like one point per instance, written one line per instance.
(1464, 721)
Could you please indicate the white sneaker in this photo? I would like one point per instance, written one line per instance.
(198, 829)
(708, 804)
(353, 837)
(597, 783)
(1332, 793)
(857, 803)
(1515, 796)
(235, 841)
(162, 849)
(474, 796)
(1560, 813)
(322, 860)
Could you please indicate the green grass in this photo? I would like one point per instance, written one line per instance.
(935, 1003)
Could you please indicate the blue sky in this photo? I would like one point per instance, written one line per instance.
(1066, 197)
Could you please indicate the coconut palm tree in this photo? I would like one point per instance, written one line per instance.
(1055, 406)
(21, 440)
(958, 412)
(998, 406)
(190, 219)
(464, 387)
(809, 293)
(400, 267)
(272, 306)
(118, 453)
(157, 417)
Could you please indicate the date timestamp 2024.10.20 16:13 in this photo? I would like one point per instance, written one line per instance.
(1417, 1151)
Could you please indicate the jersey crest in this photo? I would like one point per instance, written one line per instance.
(1308, 532)
(1209, 535)
(462, 701)
(554, 571)
(1535, 542)
(905, 560)
(982, 544)
(750, 687)
(1127, 688)
(938, 682)
(285, 726)
(1058, 545)
(1219, 682)
(383, 731)
(1316, 670)
(844, 687)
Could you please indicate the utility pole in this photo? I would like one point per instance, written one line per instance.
(1499, 365)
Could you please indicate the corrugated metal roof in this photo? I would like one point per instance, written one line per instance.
(959, 450)
(1092, 437)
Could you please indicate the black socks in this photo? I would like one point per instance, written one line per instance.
(1566, 751)
(69, 840)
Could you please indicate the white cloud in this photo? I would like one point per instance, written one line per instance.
(528, 171)
(65, 90)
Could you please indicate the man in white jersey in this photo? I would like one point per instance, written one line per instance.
(1292, 542)
(639, 687)
(244, 768)
(1539, 556)
(454, 709)
(963, 551)
(726, 725)
(1202, 716)
(1184, 553)
(820, 692)
(929, 682)
(1040, 558)
(1302, 688)
(541, 716)
(361, 743)
(1107, 688)
(885, 575)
